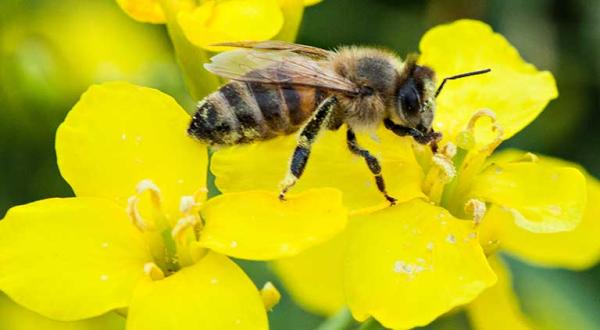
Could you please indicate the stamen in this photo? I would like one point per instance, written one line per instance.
(186, 204)
(449, 150)
(136, 217)
(446, 166)
(483, 113)
(178, 232)
(152, 270)
(476, 209)
(270, 296)
(487, 113)
(148, 185)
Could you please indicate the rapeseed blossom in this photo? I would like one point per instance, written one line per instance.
(140, 238)
(408, 264)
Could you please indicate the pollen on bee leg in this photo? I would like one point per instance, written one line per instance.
(476, 209)
(135, 216)
(153, 271)
(270, 295)
(285, 185)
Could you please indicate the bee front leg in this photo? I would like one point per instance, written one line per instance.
(372, 163)
(305, 140)
(420, 137)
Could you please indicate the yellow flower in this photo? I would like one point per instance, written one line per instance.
(225, 20)
(408, 264)
(139, 235)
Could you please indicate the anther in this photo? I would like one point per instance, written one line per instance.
(270, 296)
(483, 113)
(148, 185)
(446, 165)
(476, 209)
(449, 150)
(179, 230)
(186, 204)
(153, 271)
(135, 216)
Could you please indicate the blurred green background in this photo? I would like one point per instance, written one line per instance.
(51, 51)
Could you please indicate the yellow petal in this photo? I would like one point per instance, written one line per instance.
(119, 134)
(214, 293)
(515, 90)
(263, 165)
(576, 249)
(292, 11)
(231, 20)
(151, 11)
(258, 226)
(540, 198)
(314, 277)
(15, 317)
(311, 2)
(497, 307)
(148, 11)
(411, 263)
(72, 258)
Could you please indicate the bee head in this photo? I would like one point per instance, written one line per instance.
(415, 96)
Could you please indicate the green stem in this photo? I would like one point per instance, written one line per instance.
(371, 324)
(190, 58)
(340, 321)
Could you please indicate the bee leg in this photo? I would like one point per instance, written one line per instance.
(372, 163)
(305, 140)
(432, 137)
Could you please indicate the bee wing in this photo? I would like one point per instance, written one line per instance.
(314, 52)
(282, 67)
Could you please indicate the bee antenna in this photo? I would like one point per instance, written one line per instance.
(462, 75)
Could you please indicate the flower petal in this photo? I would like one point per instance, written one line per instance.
(148, 11)
(263, 165)
(151, 11)
(540, 198)
(15, 317)
(71, 258)
(231, 20)
(119, 134)
(314, 277)
(411, 263)
(576, 249)
(258, 226)
(497, 307)
(515, 90)
(214, 293)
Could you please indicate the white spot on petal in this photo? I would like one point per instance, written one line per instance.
(430, 246)
(233, 244)
(214, 281)
(123, 136)
(103, 277)
(451, 239)
(104, 245)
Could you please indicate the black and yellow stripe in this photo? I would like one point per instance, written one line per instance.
(242, 112)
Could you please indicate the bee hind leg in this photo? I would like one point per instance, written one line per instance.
(305, 140)
(372, 163)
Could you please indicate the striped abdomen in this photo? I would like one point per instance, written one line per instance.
(242, 112)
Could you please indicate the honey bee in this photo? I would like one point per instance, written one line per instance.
(278, 88)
